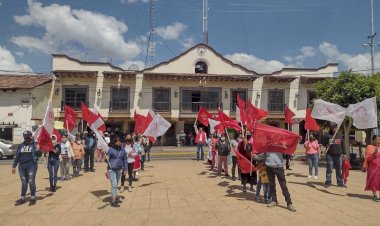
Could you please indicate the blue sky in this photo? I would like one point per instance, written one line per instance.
(263, 35)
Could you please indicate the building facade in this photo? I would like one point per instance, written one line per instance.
(23, 101)
(177, 88)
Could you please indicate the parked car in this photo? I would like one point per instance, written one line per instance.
(7, 149)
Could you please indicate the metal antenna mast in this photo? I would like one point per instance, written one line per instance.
(205, 21)
(371, 42)
(150, 50)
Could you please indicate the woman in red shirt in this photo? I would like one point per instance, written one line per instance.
(373, 170)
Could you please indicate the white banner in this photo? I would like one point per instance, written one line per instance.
(101, 142)
(328, 111)
(212, 123)
(364, 114)
(157, 127)
(49, 118)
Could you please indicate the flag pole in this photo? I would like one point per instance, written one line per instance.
(254, 127)
(332, 139)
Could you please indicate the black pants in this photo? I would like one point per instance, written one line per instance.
(142, 161)
(89, 159)
(130, 175)
(287, 160)
(234, 164)
(280, 174)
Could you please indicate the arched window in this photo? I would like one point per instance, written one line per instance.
(201, 67)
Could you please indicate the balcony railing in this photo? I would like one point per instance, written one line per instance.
(194, 106)
(276, 107)
(76, 105)
(119, 106)
(161, 106)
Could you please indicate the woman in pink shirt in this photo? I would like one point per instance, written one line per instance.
(312, 155)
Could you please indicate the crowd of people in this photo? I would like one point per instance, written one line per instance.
(125, 156)
(270, 165)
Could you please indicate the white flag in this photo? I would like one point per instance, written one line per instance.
(101, 142)
(328, 111)
(212, 124)
(157, 127)
(49, 118)
(238, 118)
(364, 114)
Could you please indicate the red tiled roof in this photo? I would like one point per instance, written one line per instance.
(9, 81)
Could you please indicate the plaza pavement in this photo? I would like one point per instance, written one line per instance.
(185, 192)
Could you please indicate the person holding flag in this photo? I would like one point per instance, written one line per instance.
(274, 166)
(313, 154)
(65, 157)
(245, 148)
(200, 141)
(53, 163)
(224, 149)
(27, 160)
(333, 140)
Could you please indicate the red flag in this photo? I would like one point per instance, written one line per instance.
(203, 116)
(139, 123)
(94, 120)
(272, 139)
(44, 141)
(148, 119)
(310, 123)
(232, 125)
(289, 115)
(254, 114)
(241, 105)
(227, 122)
(244, 164)
(70, 118)
(58, 135)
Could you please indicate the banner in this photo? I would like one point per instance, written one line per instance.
(203, 116)
(70, 118)
(48, 121)
(139, 123)
(310, 123)
(157, 127)
(364, 114)
(289, 115)
(328, 111)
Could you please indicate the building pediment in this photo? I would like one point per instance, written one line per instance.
(186, 63)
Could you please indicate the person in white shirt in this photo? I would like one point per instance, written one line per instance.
(65, 158)
(131, 153)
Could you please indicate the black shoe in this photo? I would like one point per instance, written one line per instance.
(327, 185)
(115, 204)
(20, 202)
(119, 201)
(53, 189)
(86, 170)
(233, 178)
(226, 175)
(342, 185)
(92, 170)
(375, 199)
(32, 202)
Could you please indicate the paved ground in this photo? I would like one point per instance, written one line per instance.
(185, 192)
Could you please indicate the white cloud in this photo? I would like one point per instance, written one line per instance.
(20, 53)
(96, 32)
(187, 42)
(8, 62)
(253, 63)
(306, 52)
(131, 65)
(171, 32)
(356, 62)
(133, 1)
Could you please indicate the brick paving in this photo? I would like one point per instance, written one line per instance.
(185, 192)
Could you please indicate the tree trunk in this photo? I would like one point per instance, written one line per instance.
(347, 128)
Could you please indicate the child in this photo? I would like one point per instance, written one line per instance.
(263, 181)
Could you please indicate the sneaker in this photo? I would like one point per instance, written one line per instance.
(291, 208)
(122, 189)
(54, 188)
(92, 170)
(315, 177)
(20, 202)
(272, 204)
(119, 201)
(115, 204)
(32, 202)
(233, 178)
(244, 188)
(129, 189)
(327, 185)
(309, 177)
(226, 175)
(51, 188)
(342, 185)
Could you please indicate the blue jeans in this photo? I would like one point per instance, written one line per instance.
(200, 149)
(312, 159)
(265, 189)
(27, 173)
(114, 178)
(53, 166)
(334, 161)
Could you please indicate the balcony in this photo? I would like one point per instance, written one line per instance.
(119, 106)
(193, 107)
(276, 108)
(162, 106)
(76, 105)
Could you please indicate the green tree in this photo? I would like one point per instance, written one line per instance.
(349, 88)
